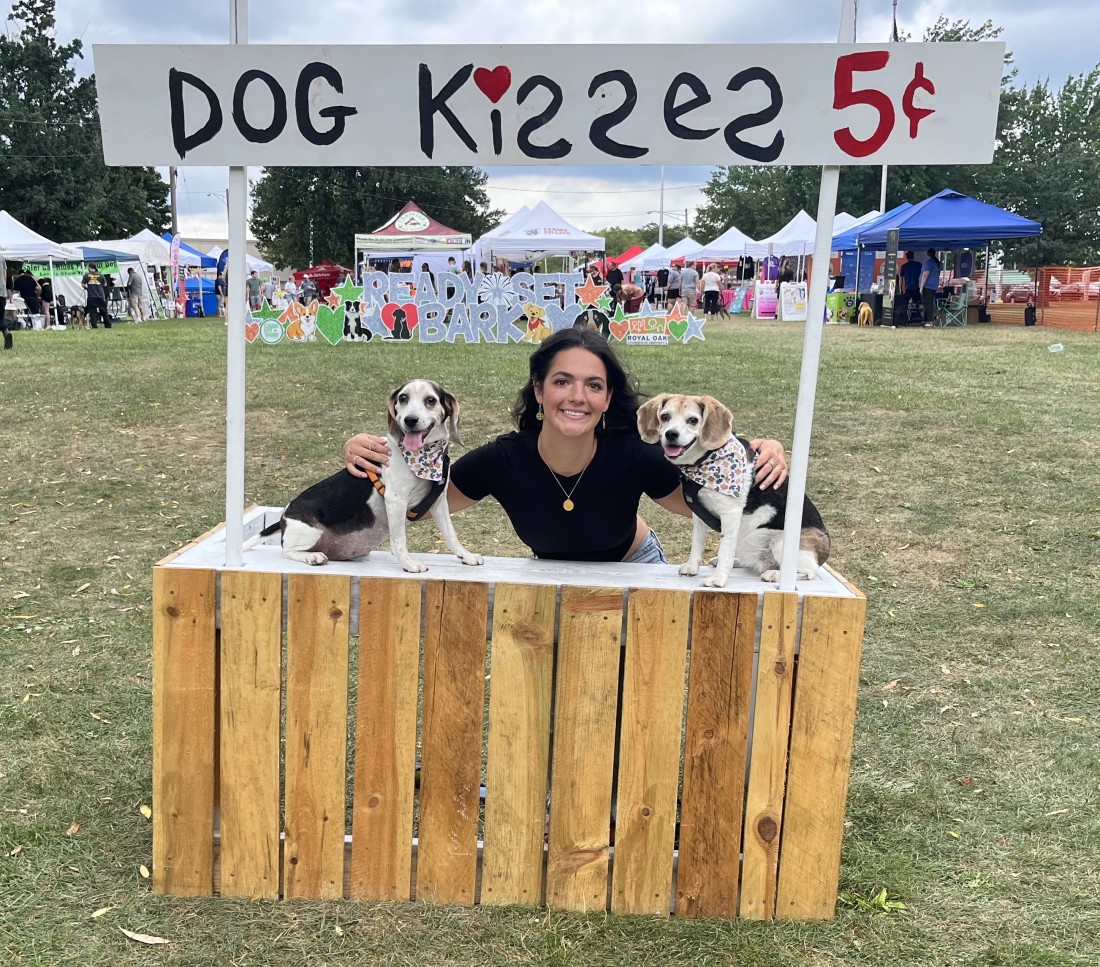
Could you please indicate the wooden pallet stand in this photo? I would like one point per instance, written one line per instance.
(620, 739)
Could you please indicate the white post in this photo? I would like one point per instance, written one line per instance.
(237, 205)
(661, 223)
(811, 351)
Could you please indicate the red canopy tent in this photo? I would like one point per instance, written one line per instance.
(326, 275)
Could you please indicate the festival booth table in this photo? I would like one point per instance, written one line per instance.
(263, 670)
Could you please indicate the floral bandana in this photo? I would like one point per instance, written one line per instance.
(727, 470)
(428, 462)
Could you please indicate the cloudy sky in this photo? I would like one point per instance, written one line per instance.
(1051, 41)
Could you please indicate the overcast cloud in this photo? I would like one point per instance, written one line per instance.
(1050, 40)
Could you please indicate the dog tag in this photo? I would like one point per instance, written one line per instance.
(567, 504)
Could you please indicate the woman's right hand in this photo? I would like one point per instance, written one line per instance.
(364, 452)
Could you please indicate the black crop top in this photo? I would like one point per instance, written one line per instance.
(602, 524)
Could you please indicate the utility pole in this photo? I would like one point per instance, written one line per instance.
(172, 196)
(661, 223)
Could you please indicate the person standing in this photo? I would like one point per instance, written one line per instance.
(8, 344)
(291, 290)
(94, 284)
(29, 289)
(689, 284)
(712, 291)
(929, 283)
(614, 275)
(219, 292)
(135, 295)
(673, 286)
(253, 285)
(269, 291)
(910, 275)
(45, 287)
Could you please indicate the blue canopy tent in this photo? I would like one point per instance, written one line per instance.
(205, 261)
(93, 254)
(949, 220)
(848, 241)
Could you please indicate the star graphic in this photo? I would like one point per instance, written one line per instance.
(619, 314)
(333, 300)
(695, 328)
(590, 292)
(678, 313)
(292, 313)
(603, 303)
(647, 311)
(265, 312)
(347, 291)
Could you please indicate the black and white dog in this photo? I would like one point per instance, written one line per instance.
(345, 517)
(716, 467)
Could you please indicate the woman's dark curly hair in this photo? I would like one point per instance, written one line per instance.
(625, 393)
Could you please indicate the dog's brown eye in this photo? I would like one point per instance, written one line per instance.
(664, 417)
(403, 398)
(692, 420)
(431, 401)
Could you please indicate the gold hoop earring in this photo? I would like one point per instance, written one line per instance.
(538, 415)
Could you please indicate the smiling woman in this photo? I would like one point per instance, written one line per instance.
(572, 475)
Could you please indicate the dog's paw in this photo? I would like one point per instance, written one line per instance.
(414, 568)
(472, 559)
(689, 570)
(714, 581)
(772, 575)
(316, 558)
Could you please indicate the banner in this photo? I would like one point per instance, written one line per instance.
(539, 104)
(178, 291)
(494, 308)
(68, 269)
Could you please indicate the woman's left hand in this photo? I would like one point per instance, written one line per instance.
(771, 463)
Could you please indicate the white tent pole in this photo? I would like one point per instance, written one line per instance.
(237, 204)
(811, 352)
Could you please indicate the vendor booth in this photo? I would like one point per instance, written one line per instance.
(412, 234)
(542, 232)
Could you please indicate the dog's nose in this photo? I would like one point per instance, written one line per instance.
(672, 435)
(411, 421)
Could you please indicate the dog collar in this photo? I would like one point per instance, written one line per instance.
(727, 470)
(429, 462)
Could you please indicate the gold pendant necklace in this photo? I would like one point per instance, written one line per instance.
(568, 504)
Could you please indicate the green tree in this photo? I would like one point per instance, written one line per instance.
(52, 175)
(302, 215)
(1046, 166)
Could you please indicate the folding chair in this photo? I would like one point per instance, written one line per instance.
(953, 311)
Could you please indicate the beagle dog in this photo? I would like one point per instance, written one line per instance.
(716, 469)
(345, 517)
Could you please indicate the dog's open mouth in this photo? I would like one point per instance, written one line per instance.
(672, 452)
(413, 440)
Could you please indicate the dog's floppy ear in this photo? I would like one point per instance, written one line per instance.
(451, 408)
(395, 428)
(649, 418)
(717, 423)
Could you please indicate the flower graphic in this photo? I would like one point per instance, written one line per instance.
(497, 290)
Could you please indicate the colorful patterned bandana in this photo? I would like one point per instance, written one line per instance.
(727, 470)
(427, 463)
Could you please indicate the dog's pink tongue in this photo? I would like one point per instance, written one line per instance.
(413, 441)
(672, 452)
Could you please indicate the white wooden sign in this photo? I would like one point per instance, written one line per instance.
(798, 104)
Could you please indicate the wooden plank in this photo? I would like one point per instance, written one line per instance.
(830, 647)
(649, 750)
(454, 709)
(385, 739)
(318, 624)
(251, 685)
(768, 762)
(589, 632)
(183, 731)
(715, 753)
(519, 744)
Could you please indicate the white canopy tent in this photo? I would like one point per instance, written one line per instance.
(19, 243)
(794, 238)
(655, 251)
(480, 251)
(254, 264)
(540, 233)
(731, 244)
(686, 248)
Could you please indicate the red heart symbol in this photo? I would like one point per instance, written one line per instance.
(493, 83)
(620, 328)
(251, 331)
(412, 317)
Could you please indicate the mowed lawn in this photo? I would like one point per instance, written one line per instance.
(959, 473)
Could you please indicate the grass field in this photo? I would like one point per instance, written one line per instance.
(959, 472)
